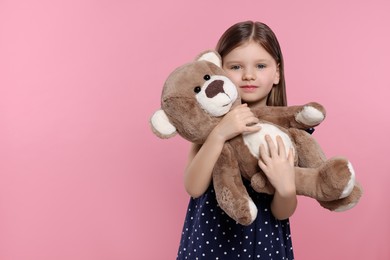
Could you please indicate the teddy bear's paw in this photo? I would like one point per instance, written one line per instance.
(337, 179)
(310, 116)
(346, 203)
(246, 211)
(242, 209)
(351, 183)
(260, 184)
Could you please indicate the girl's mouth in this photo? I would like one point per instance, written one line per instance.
(248, 88)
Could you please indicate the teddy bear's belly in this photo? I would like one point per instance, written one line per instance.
(253, 140)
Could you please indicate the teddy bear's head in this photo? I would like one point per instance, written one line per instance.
(194, 98)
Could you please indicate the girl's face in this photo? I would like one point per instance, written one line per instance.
(254, 72)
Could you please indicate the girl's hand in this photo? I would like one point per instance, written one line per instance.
(237, 121)
(278, 166)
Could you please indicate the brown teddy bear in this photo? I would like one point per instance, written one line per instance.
(194, 99)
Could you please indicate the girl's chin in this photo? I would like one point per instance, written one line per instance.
(252, 99)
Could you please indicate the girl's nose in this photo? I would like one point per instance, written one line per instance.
(248, 75)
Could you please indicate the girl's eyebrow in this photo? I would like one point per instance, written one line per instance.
(238, 61)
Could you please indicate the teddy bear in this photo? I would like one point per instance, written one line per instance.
(198, 94)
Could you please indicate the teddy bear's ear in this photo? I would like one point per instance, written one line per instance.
(161, 125)
(211, 56)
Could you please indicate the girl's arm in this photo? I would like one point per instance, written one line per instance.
(201, 159)
(279, 168)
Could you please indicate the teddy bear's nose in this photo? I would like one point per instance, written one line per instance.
(214, 88)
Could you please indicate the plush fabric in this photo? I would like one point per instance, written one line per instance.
(196, 96)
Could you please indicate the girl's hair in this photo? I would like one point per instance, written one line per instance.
(244, 32)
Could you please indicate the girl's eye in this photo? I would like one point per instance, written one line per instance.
(235, 67)
(261, 66)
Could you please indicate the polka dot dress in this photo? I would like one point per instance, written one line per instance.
(209, 233)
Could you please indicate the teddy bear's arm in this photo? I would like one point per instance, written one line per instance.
(230, 191)
(301, 117)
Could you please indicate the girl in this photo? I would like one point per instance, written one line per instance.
(252, 59)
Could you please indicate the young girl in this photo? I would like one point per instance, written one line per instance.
(252, 59)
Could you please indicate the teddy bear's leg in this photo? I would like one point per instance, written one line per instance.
(332, 180)
(346, 203)
(328, 179)
(310, 154)
(230, 191)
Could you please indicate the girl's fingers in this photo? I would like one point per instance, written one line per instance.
(281, 147)
(272, 148)
(253, 128)
(291, 156)
(263, 154)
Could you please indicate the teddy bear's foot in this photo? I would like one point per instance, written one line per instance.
(260, 184)
(312, 114)
(336, 179)
(346, 203)
(243, 209)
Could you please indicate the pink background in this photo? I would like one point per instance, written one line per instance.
(83, 177)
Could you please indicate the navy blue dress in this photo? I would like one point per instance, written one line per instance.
(209, 233)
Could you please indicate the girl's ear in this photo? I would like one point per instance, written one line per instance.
(277, 75)
(211, 56)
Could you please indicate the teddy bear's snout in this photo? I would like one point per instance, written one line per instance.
(214, 88)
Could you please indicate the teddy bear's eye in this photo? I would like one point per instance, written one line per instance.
(197, 89)
(206, 77)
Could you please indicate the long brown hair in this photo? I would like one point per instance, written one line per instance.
(244, 32)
